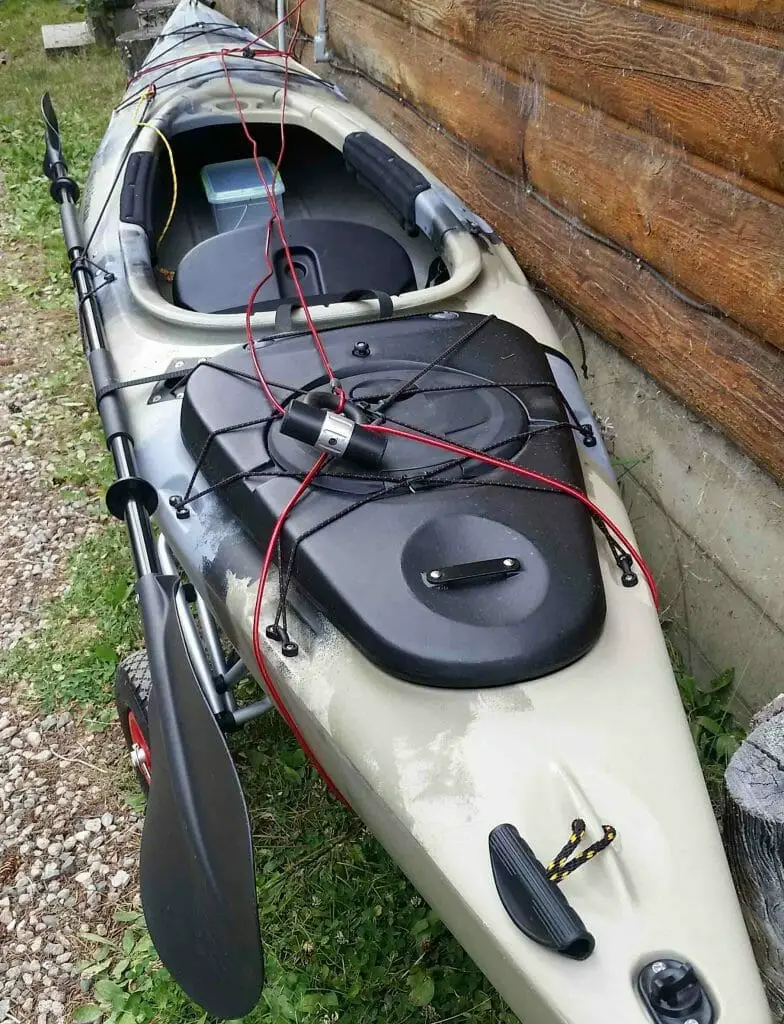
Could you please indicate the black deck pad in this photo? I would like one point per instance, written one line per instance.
(368, 571)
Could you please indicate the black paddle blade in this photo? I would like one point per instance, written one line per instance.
(197, 879)
(54, 152)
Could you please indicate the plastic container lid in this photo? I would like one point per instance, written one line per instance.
(237, 181)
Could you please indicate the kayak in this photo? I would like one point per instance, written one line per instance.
(356, 464)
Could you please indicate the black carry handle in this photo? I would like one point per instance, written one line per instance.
(395, 180)
(197, 878)
(535, 904)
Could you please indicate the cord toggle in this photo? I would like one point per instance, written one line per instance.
(334, 433)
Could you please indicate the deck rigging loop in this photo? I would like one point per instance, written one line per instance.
(83, 262)
(563, 864)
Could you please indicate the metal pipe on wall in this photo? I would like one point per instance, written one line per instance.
(320, 41)
(281, 17)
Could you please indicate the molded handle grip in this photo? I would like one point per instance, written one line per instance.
(535, 904)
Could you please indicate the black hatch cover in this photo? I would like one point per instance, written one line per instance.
(533, 601)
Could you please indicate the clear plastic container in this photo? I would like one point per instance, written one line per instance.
(236, 194)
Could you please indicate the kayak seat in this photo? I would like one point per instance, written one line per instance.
(332, 258)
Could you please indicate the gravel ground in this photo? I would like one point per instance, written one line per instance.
(68, 856)
(37, 526)
(68, 842)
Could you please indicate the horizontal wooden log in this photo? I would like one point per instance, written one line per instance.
(714, 238)
(769, 13)
(671, 74)
(729, 377)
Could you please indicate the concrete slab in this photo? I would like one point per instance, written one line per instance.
(68, 37)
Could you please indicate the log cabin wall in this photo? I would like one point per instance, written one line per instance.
(633, 158)
(657, 128)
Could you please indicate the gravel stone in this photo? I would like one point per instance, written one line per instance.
(121, 879)
(44, 851)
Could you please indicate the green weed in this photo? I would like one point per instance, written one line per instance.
(716, 730)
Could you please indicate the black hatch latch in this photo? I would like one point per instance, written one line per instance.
(485, 571)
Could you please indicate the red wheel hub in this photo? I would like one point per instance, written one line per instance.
(140, 749)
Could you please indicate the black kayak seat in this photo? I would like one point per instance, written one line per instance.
(332, 258)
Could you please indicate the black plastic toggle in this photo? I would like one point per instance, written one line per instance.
(180, 509)
(673, 994)
(589, 438)
(629, 577)
(485, 571)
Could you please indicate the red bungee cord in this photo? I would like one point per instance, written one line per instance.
(276, 219)
(269, 682)
(529, 474)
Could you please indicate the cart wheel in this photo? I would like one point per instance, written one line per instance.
(132, 693)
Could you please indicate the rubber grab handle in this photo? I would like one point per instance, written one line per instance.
(535, 904)
(395, 180)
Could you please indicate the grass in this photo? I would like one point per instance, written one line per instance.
(82, 88)
(715, 729)
(346, 936)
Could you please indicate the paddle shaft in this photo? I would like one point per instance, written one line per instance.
(136, 517)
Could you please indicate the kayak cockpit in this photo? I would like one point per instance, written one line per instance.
(344, 237)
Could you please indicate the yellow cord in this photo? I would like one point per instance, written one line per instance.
(148, 96)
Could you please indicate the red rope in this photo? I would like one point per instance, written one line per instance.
(530, 474)
(278, 220)
(269, 682)
(302, 489)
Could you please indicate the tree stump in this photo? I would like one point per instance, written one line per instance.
(134, 47)
(153, 13)
(754, 838)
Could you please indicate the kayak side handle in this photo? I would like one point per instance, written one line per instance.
(394, 179)
(535, 903)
